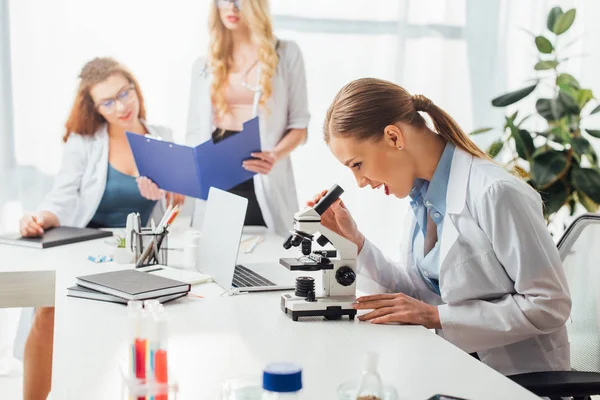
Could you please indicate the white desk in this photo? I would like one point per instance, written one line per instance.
(221, 337)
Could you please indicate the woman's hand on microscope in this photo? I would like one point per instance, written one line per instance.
(338, 219)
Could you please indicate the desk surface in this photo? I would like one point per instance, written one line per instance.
(221, 337)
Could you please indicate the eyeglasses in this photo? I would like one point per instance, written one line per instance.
(125, 96)
(226, 3)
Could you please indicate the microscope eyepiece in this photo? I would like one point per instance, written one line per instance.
(326, 201)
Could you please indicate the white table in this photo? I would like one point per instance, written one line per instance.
(221, 337)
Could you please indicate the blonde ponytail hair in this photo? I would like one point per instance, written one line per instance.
(364, 107)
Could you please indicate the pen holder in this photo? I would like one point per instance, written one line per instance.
(150, 247)
(133, 388)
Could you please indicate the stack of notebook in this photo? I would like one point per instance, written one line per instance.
(122, 286)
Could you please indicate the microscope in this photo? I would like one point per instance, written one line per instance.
(338, 266)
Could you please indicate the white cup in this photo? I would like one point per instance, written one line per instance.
(191, 249)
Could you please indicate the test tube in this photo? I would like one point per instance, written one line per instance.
(141, 350)
(160, 355)
(152, 306)
(134, 309)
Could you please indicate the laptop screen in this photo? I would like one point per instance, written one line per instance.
(221, 235)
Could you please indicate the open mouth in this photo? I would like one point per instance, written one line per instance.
(385, 188)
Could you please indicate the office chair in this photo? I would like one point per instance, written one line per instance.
(579, 249)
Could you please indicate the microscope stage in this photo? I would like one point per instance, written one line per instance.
(333, 307)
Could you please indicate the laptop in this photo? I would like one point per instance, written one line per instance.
(222, 232)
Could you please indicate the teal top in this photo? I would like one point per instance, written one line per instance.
(121, 197)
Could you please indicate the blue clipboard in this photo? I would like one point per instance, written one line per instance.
(192, 171)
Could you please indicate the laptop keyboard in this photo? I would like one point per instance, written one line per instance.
(244, 277)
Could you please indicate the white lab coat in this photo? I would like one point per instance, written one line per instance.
(80, 182)
(288, 109)
(504, 293)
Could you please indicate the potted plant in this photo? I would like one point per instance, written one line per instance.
(120, 253)
(559, 159)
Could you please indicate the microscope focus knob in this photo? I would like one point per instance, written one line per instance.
(345, 276)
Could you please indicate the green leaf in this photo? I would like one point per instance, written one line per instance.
(564, 22)
(524, 143)
(480, 130)
(587, 202)
(545, 65)
(567, 80)
(594, 132)
(572, 206)
(569, 102)
(560, 131)
(550, 109)
(543, 45)
(548, 166)
(553, 17)
(512, 97)
(587, 180)
(581, 145)
(495, 148)
(554, 197)
(595, 110)
(583, 96)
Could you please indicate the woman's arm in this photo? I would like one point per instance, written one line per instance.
(297, 112)
(289, 142)
(520, 239)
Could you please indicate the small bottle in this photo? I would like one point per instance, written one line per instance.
(370, 387)
(282, 381)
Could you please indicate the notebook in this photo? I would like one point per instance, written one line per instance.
(55, 237)
(130, 284)
(85, 293)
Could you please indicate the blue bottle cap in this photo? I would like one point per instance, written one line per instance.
(282, 378)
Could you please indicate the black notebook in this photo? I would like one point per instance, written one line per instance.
(55, 237)
(85, 293)
(130, 284)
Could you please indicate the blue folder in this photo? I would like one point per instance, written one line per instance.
(192, 171)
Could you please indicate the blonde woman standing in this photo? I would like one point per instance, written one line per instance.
(249, 72)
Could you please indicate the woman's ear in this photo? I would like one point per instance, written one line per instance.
(392, 136)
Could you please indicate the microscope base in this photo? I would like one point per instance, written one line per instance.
(331, 308)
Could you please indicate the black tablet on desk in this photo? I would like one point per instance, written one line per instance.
(55, 237)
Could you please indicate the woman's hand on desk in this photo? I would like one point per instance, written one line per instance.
(32, 225)
(338, 219)
(263, 162)
(398, 307)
